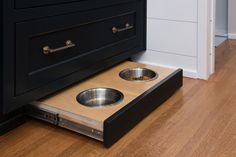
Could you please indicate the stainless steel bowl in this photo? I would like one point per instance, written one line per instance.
(138, 74)
(100, 97)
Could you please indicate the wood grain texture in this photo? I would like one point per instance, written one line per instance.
(199, 120)
(66, 105)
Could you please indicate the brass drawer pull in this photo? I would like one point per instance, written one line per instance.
(117, 30)
(47, 50)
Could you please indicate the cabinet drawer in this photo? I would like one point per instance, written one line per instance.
(48, 49)
(108, 123)
(35, 3)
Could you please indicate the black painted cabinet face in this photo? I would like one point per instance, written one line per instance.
(37, 3)
(91, 34)
(47, 50)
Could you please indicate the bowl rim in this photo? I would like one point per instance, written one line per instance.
(140, 68)
(101, 106)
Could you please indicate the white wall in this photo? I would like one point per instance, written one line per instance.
(232, 19)
(221, 18)
(172, 32)
(179, 35)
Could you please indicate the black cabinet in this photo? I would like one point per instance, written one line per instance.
(50, 44)
(36, 3)
(72, 42)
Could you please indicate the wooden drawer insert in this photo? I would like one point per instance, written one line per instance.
(108, 124)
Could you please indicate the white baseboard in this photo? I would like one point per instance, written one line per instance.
(232, 36)
(186, 72)
(221, 33)
(171, 61)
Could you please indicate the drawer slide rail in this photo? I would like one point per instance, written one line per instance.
(55, 119)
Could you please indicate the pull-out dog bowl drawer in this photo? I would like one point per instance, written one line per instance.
(133, 102)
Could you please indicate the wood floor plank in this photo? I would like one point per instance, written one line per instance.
(209, 132)
(225, 146)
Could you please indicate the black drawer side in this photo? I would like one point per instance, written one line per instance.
(125, 119)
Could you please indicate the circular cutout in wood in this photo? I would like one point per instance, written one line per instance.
(100, 97)
(138, 74)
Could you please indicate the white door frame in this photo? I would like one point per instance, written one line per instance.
(212, 40)
(206, 33)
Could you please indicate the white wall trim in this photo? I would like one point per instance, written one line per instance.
(199, 65)
(212, 17)
(203, 61)
(186, 72)
(221, 34)
(231, 36)
(188, 64)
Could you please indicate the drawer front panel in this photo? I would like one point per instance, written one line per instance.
(84, 38)
(63, 45)
(36, 3)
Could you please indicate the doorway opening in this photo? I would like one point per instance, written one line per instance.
(224, 38)
(221, 22)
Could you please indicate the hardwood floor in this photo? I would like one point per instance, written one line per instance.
(199, 120)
